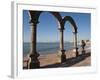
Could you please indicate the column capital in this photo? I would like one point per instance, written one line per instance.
(61, 29)
(74, 32)
(34, 22)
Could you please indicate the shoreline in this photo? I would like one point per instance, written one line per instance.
(53, 58)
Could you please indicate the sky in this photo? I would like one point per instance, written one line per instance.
(47, 28)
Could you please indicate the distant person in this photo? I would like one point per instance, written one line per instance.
(83, 44)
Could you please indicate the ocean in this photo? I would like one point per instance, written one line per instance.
(46, 48)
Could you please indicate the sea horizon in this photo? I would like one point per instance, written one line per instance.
(47, 47)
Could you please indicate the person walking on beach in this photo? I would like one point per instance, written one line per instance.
(83, 44)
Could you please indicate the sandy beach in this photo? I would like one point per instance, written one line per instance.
(53, 60)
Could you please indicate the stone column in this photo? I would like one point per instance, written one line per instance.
(75, 43)
(34, 62)
(62, 51)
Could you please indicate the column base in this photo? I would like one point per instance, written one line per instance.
(63, 56)
(34, 62)
(77, 54)
(83, 51)
(34, 65)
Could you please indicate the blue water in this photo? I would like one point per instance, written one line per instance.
(45, 48)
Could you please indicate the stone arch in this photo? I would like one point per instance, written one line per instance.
(34, 16)
(71, 21)
(74, 28)
(34, 20)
